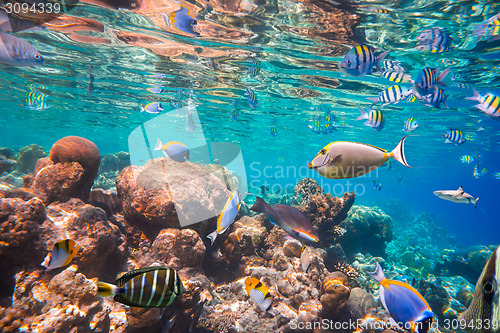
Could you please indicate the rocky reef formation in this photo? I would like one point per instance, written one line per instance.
(334, 289)
(110, 168)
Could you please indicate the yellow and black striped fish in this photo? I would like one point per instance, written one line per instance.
(147, 287)
(258, 292)
(391, 95)
(398, 77)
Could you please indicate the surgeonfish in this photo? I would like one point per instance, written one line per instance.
(489, 29)
(155, 90)
(154, 107)
(61, 255)
(361, 59)
(485, 305)
(288, 218)
(377, 185)
(148, 287)
(252, 98)
(391, 95)
(467, 159)
(458, 196)
(427, 80)
(403, 302)
(435, 99)
(489, 103)
(15, 51)
(181, 20)
(454, 136)
(305, 259)
(374, 118)
(410, 125)
(227, 216)
(174, 150)
(344, 159)
(259, 293)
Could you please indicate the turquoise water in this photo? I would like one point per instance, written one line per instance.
(298, 46)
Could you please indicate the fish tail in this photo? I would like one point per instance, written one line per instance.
(259, 205)
(381, 57)
(158, 144)
(106, 289)
(142, 109)
(378, 274)
(399, 152)
(212, 237)
(373, 99)
(364, 114)
(475, 204)
(476, 96)
(442, 76)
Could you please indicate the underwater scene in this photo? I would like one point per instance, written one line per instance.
(175, 166)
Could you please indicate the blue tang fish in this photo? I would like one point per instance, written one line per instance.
(288, 218)
(174, 150)
(360, 60)
(403, 302)
(154, 107)
(17, 52)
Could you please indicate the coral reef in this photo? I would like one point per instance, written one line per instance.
(153, 196)
(27, 158)
(114, 162)
(68, 172)
(367, 231)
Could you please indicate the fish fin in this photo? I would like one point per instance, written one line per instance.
(158, 144)
(369, 123)
(212, 237)
(476, 96)
(475, 204)
(373, 99)
(259, 205)
(461, 190)
(378, 274)
(105, 289)
(447, 141)
(130, 275)
(399, 152)
(364, 114)
(442, 76)
(381, 57)
(337, 160)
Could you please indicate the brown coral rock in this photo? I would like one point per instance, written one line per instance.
(179, 248)
(360, 304)
(336, 293)
(151, 194)
(27, 157)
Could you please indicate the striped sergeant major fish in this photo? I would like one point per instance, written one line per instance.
(454, 136)
(393, 66)
(147, 287)
(435, 99)
(398, 77)
(488, 29)
(259, 293)
(391, 95)
(410, 125)
(252, 70)
(434, 40)
(374, 118)
(361, 59)
(489, 103)
(35, 100)
(427, 80)
(252, 98)
(467, 159)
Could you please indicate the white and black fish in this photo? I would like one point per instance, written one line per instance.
(155, 286)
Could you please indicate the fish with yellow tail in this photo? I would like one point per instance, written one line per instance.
(344, 159)
(227, 216)
(61, 255)
(259, 293)
(288, 218)
(148, 287)
(405, 304)
(483, 314)
(174, 150)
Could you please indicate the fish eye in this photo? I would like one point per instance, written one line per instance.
(37, 56)
(489, 287)
(322, 151)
